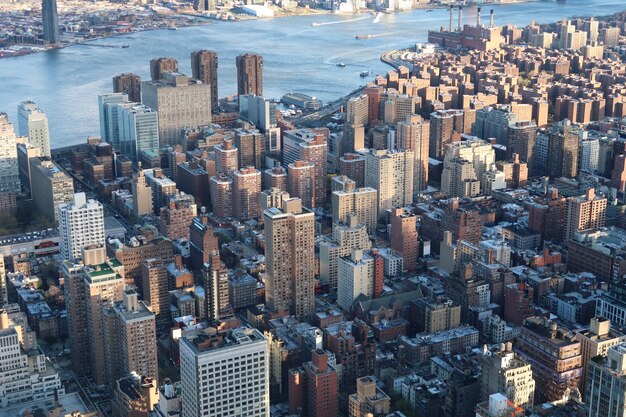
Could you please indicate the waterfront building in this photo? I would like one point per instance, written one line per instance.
(249, 74)
(180, 102)
(129, 84)
(138, 130)
(204, 68)
(159, 66)
(50, 20)
(33, 123)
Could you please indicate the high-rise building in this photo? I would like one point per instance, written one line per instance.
(355, 277)
(50, 18)
(309, 145)
(301, 182)
(26, 151)
(225, 374)
(547, 215)
(413, 134)
(162, 187)
(180, 102)
(272, 198)
(4, 294)
(142, 194)
(217, 290)
(159, 66)
(81, 224)
(369, 400)
(129, 84)
(290, 259)
(33, 123)
(465, 162)
(176, 217)
(222, 195)
(492, 122)
(51, 187)
(202, 241)
(103, 286)
(605, 393)
(562, 159)
(554, 355)
(352, 165)
(275, 178)
(249, 74)
(346, 237)
(313, 388)
(404, 237)
(362, 202)
(9, 170)
(130, 337)
(226, 157)
(204, 68)
(505, 372)
(108, 108)
(518, 302)
(27, 375)
(138, 130)
(246, 194)
(521, 140)
(134, 394)
(155, 291)
(596, 342)
(584, 213)
(391, 173)
(251, 146)
(436, 316)
(618, 175)
(441, 130)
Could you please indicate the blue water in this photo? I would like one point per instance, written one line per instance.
(297, 57)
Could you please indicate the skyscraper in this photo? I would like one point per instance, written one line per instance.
(109, 111)
(204, 68)
(562, 160)
(51, 186)
(81, 224)
(251, 146)
(355, 277)
(313, 388)
(309, 145)
(216, 281)
(290, 259)
(404, 237)
(9, 171)
(130, 338)
(249, 74)
(50, 18)
(584, 213)
(521, 140)
(225, 374)
(246, 191)
(391, 173)
(413, 134)
(180, 103)
(226, 157)
(362, 202)
(159, 66)
(142, 194)
(301, 182)
(441, 130)
(33, 122)
(129, 84)
(221, 187)
(138, 127)
(155, 290)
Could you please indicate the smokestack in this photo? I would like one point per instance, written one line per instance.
(491, 18)
(451, 17)
(460, 18)
(478, 18)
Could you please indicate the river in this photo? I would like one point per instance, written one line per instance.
(297, 57)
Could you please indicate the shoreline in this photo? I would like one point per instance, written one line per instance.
(205, 20)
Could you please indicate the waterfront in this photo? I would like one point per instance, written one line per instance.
(297, 57)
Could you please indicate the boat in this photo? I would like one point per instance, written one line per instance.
(429, 10)
(315, 24)
(125, 45)
(172, 28)
(341, 64)
(367, 36)
(364, 73)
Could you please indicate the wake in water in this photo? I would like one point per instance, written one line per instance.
(356, 19)
(377, 19)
